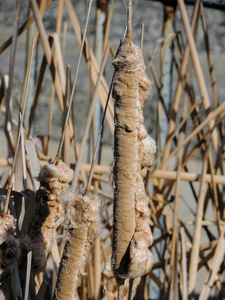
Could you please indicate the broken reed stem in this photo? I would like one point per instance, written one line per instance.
(129, 21)
(21, 117)
(59, 152)
(88, 122)
(142, 35)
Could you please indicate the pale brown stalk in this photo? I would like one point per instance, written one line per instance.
(24, 100)
(58, 155)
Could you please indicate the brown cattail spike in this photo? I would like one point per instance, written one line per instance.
(83, 224)
(54, 180)
(132, 151)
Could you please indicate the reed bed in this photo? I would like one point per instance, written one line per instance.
(149, 223)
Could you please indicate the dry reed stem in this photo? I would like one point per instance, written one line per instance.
(88, 122)
(58, 156)
(22, 28)
(197, 232)
(23, 104)
(131, 231)
(92, 66)
(178, 92)
(83, 224)
(48, 53)
(198, 70)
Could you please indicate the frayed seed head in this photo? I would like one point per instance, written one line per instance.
(51, 172)
(82, 208)
(129, 57)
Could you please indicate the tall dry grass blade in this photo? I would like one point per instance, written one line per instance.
(107, 27)
(67, 133)
(166, 69)
(100, 21)
(18, 135)
(214, 188)
(58, 60)
(198, 70)
(103, 88)
(209, 56)
(176, 101)
(58, 155)
(13, 49)
(173, 261)
(58, 31)
(48, 52)
(50, 118)
(99, 135)
(22, 28)
(36, 93)
(88, 123)
(25, 183)
(30, 58)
